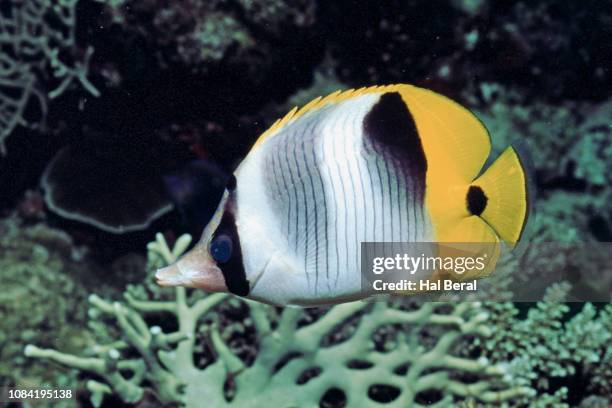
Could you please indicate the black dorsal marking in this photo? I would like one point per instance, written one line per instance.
(391, 131)
(233, 269)
(476, 200)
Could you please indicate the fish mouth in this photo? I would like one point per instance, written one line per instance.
(171, 276)
(192, 272)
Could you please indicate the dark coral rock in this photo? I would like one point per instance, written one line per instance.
(550, 49)
(402, 41)
(191, 33)
(557, 49)
(191, 63)
(252, 38)
(275, 17)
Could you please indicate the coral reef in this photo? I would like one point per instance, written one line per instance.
(552, 352)
(353, 354)
(549, 50)
(39, 50)
(205, 36)
(40, 299)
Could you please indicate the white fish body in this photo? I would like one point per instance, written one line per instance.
(323, 196)
(380, 164)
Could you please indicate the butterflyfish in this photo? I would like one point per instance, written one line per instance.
(394, 163)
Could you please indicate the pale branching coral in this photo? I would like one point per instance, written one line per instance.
(547, 347)
(37, 38)
(359, 354)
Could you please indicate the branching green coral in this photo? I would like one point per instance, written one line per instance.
(546, 346)
(35, 38)
(300, 360)
(592, 152)
(599, 364)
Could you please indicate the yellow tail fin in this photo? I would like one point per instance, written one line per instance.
(500, 196)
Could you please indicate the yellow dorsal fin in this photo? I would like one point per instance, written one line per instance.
(318, 103)
(451, 134)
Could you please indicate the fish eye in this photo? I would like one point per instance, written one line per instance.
(221, 248)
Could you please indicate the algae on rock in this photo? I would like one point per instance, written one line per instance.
(40, 300)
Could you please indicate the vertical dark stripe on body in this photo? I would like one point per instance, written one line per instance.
(373, 236)
(286, 188)
(344, 204)
(316, 212)
(372, 167)
(382, 195)
(318, 134)
(279, 177)
(295, 183)
(328, 215)
(351, 177)
(304, 136)
(296, 217)
(398, 194)
(304, 204)
(388, 181)
(291, 215)
(414, 211)
(363, 197)
(405, 221)
(272, 177)
(390, 129)
(335, 206)
(299, 202)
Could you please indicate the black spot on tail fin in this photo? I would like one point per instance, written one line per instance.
(476, 200)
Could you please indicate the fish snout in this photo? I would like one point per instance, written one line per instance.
(194, 270)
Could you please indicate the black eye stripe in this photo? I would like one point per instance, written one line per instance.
(233, 269)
